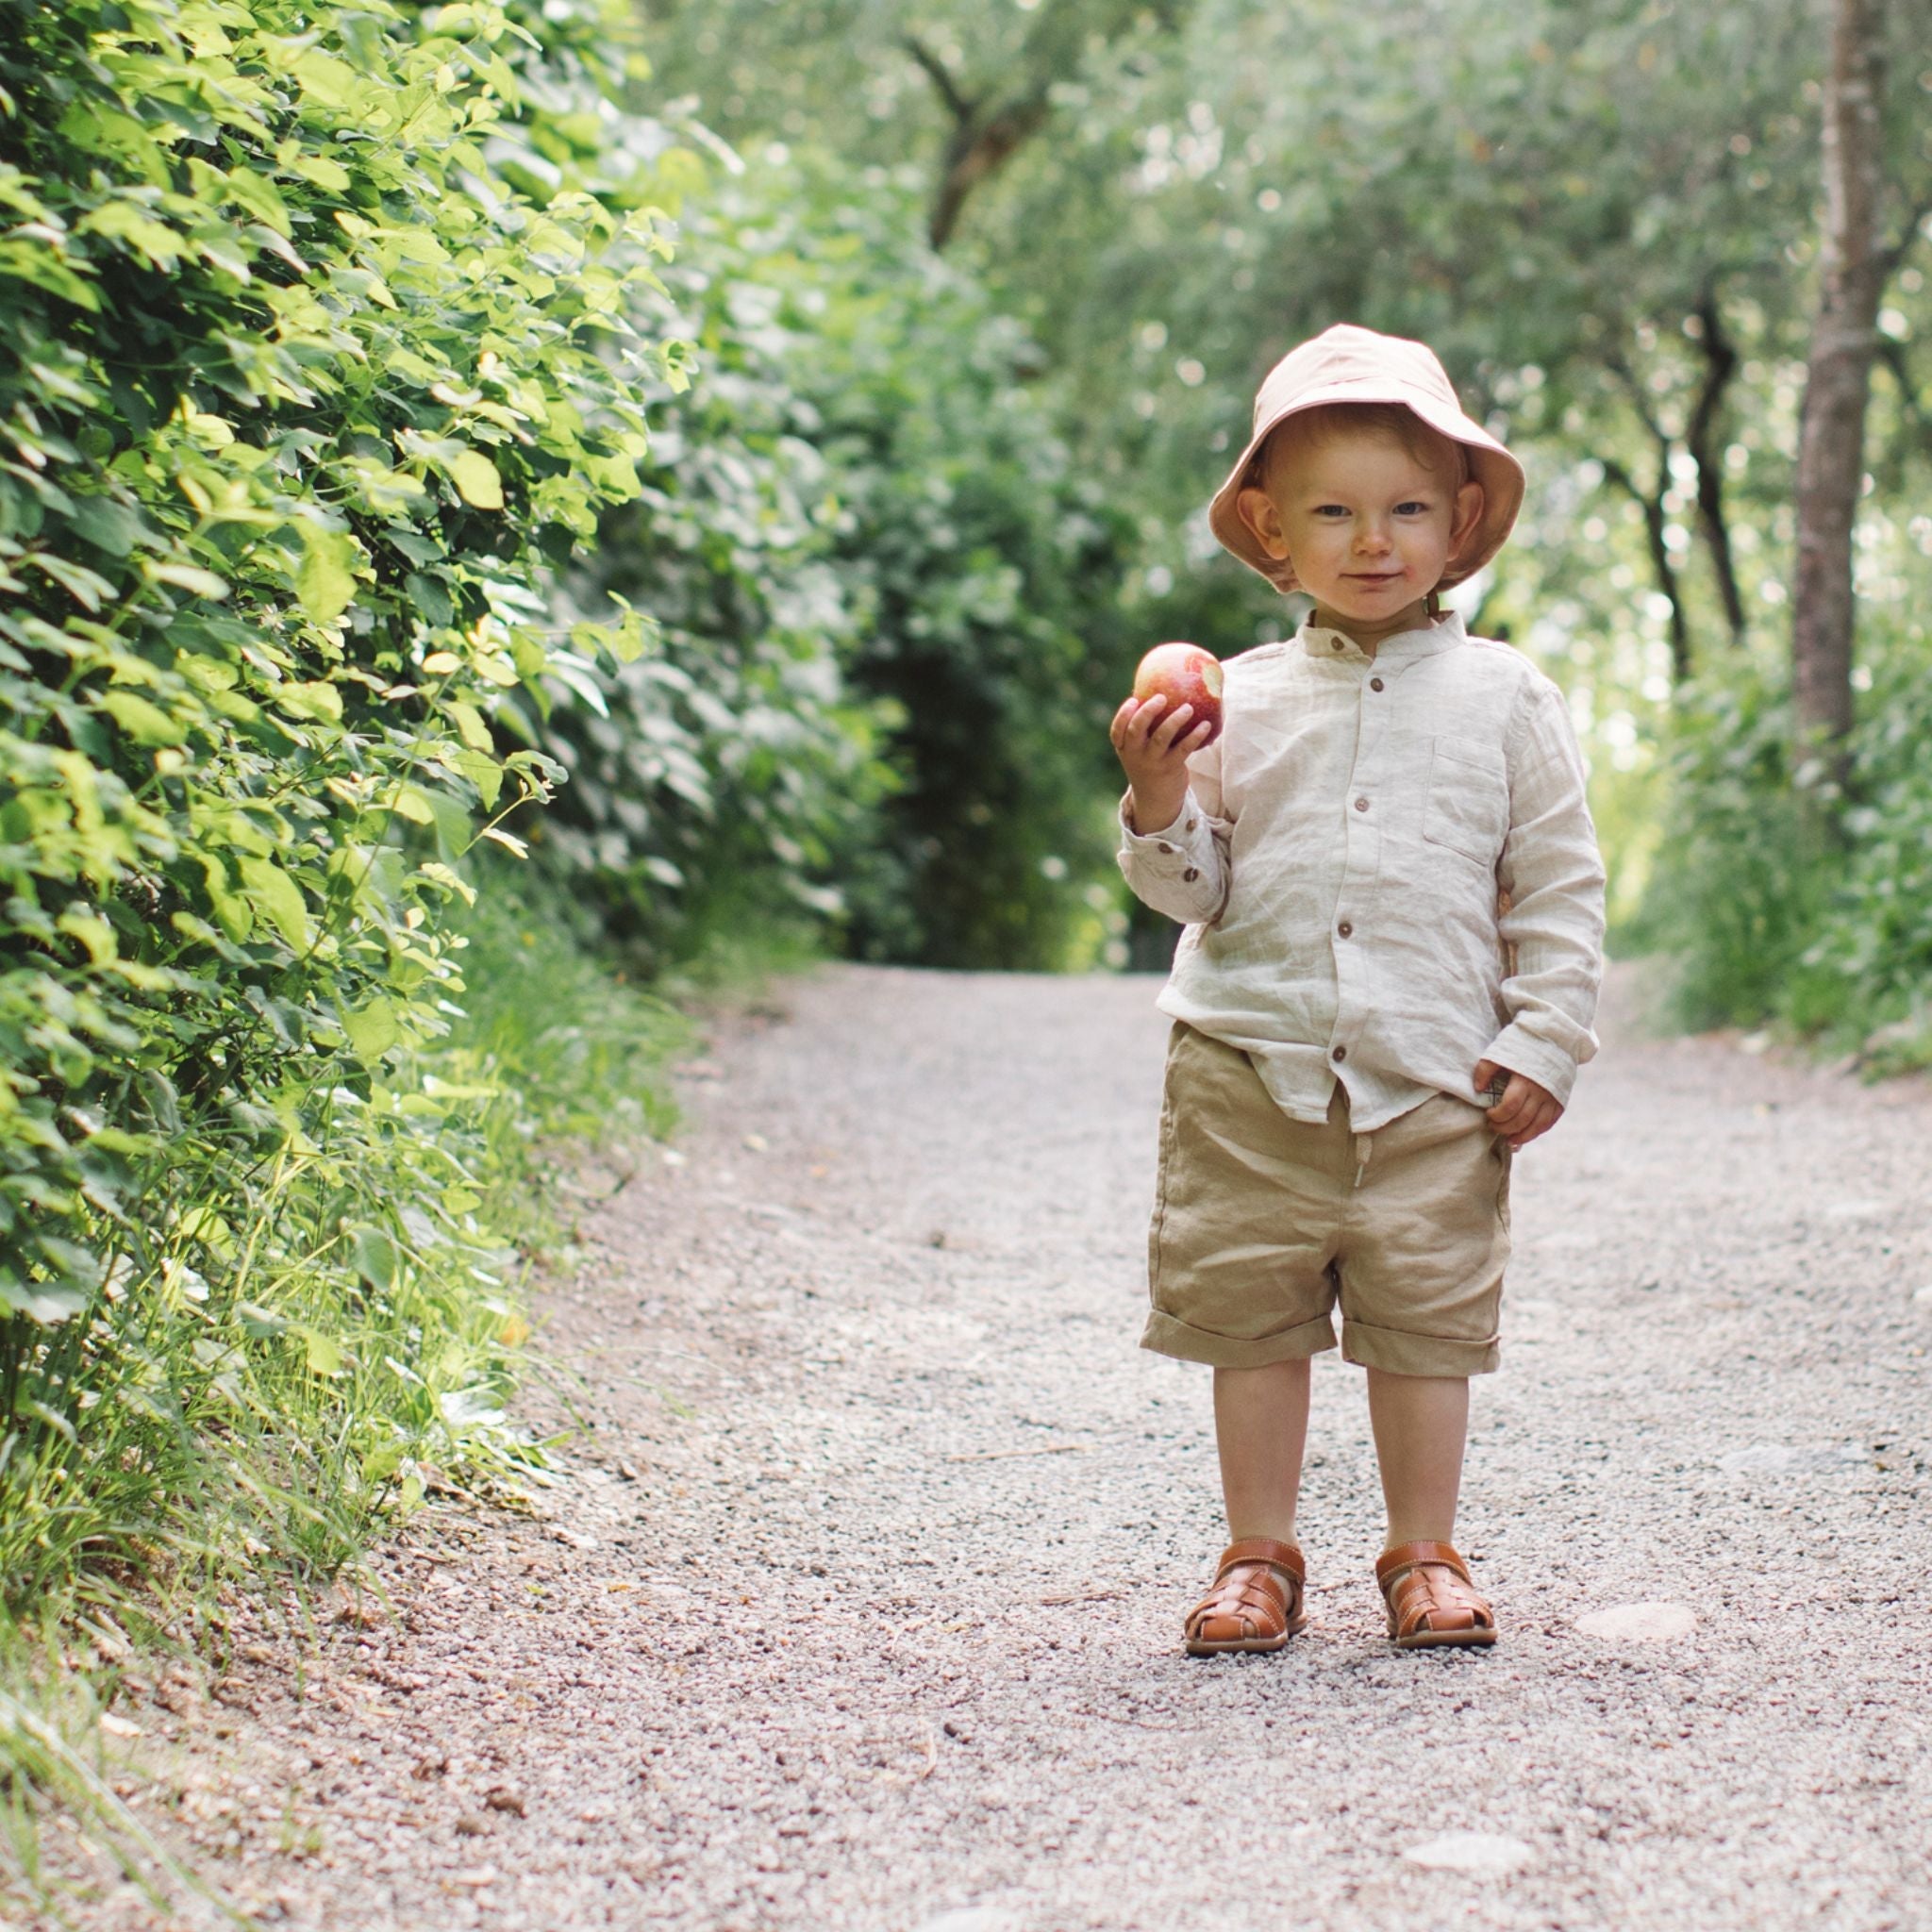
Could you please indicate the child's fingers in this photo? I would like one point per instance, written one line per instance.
(1117, 731)
(1142, 719)
(1163, 735)
(1547, 1113)
(1522, 1101)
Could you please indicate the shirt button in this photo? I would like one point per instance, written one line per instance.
(1375, 684)
(1167, 848)
(1344, 929)
(1337, 644)
(1361, 804)
(1190, 825)
(1191, 873)
(1341, 1053)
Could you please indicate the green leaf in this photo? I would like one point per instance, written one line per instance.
(373, 1028)
(484, 773)
(322, 1353)
(332, 83)
(144, 723)
(326, 577)
(469, 721)
(376, 1259)
(187, 576)
(232, 912)
(477, 480)
(278, 898)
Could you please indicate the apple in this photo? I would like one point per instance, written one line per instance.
(1183, 674)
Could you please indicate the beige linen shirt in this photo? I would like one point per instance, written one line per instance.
(1338, 863)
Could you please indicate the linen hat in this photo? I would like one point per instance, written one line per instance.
(1350, 364)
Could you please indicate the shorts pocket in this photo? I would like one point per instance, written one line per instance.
(1468, 808)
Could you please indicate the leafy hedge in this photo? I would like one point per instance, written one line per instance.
(315, 358)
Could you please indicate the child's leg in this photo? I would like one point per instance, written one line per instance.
(1261, 1424)
(1420, 1424)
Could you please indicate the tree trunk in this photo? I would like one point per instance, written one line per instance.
(1844, 338)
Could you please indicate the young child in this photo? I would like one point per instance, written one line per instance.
(1393, 901)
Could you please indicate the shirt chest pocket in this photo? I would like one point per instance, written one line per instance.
(1468, 804)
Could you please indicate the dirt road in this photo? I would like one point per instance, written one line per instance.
(862, 1610)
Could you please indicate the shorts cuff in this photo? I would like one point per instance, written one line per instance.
(1416, 1354)
(1165, 1336)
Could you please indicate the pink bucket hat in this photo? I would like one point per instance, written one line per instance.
(1348, 364)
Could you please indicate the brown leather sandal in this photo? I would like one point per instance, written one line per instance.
(1250, 1606)
(1431, 1598)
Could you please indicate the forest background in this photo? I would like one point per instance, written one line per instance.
(514, 514)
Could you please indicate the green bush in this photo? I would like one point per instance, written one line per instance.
(314, 363)
(1766, 919)
(722, 781)
(990, 566)
(1731, 896)
(1866, 977)
(889, 603)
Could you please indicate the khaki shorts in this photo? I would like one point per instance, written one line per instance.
(1262, 1223)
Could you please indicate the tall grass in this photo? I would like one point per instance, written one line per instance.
(356, 1342)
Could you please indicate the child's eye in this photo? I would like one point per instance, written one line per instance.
(1411, 509)
(1331, 510)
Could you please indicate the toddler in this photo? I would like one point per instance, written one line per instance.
(1393, 901)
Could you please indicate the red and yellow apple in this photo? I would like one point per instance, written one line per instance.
(1183, 674)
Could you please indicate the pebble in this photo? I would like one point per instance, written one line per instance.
(1641, 1622)
(1480, 1852)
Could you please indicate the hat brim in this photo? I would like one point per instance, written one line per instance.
(1492, 465)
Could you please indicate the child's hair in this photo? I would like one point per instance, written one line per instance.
(1326, 421)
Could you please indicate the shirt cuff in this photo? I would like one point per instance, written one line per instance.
(1521, 1051)
(1183, 847)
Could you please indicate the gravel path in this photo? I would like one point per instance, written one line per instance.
(863, 1612)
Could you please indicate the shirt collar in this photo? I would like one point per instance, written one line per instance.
(1405, 648)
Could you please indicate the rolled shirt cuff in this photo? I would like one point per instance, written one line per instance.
(1185, 846)
(1522, 1052)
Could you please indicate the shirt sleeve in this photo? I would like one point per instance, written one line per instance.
(1553, 874)
(1182, 869)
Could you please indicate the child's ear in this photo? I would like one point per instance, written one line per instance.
(1259, 512)
(1469, 513)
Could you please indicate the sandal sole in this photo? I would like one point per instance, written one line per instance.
(1446, 1639)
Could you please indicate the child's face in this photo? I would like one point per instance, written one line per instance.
(1369, 526)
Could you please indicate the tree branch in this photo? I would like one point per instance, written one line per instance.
(1720, 365)
(1655, 522)
(940, 76)
(1652, 505)
(989, 126)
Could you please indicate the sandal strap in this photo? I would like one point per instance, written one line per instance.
(1427, 1585)
(1258, 1600)
(1391, 1563)
(1262, 1549)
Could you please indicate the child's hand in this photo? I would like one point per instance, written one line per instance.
(1153, 752)
(1525, 1111)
